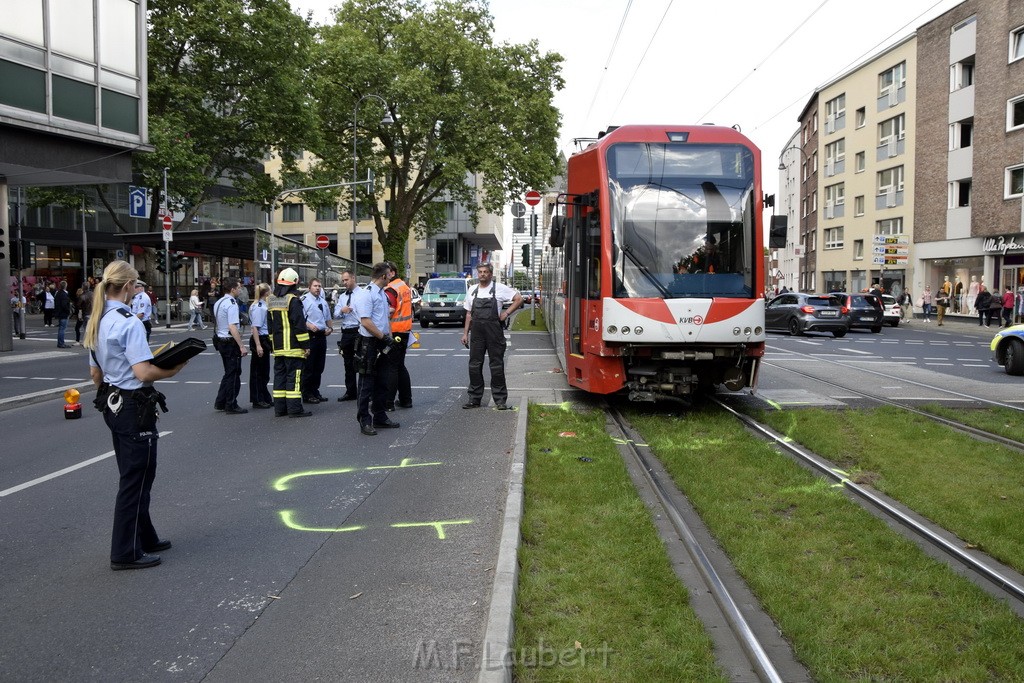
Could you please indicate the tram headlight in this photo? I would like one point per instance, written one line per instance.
(758, 330)
(747, 331)
(736, 331)
(612, 329)
(625, 330)
(639, 330)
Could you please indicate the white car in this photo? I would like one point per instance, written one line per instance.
(892, 312)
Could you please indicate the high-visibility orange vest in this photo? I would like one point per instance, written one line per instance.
(401, 320)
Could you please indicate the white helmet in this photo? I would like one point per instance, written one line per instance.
(288, 276)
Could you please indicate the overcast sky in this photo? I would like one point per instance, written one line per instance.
(750, 63)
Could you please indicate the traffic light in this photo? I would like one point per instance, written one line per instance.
(5, 261)
(161, 262)
(177, 261)
(526, 256)
(21, 255)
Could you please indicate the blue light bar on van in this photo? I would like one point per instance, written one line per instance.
(677, 137)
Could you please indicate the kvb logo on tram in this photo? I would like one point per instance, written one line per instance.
(693, 320)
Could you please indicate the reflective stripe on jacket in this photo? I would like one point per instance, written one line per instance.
(288, 337)
(401, 321)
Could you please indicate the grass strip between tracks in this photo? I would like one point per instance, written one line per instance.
(1005, 422)
(598, 599)
(971, 488)
(858, 601)
(521, 323)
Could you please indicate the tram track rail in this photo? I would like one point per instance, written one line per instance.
(978, 564)
(952, 424)
(662, 487)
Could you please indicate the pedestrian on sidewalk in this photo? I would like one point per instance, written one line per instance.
(982, 304)
(906, 306)
(83, 308)
(48, 306)
(62, 309)
(484, 333)
(926, 303)
(142, 307)
(1008, 301)
(18, 313)
(120, 367)
(196, 308)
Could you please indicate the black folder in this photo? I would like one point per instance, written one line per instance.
(171, 355)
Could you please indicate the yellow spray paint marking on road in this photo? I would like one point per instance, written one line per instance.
(287, 516)
(282, 483)
(439, 526)
(773, 404)
(564, 405)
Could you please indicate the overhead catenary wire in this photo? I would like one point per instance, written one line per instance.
(642, 58)
(608, 62)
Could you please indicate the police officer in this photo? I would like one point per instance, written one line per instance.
(375, 340)
(120, 368)
(349, 334)
(289, 339)
(486, 321)
(399, 384)
(231, 347)
(142, 307)
(259, 346)
(318, 321)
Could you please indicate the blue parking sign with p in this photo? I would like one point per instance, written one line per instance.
(137, 201)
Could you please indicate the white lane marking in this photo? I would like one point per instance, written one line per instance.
(804, 341)
(60, 473)
(425, 387)
(34, 356)
(45, 392)
(13, 377)
(966, 365)
(198, 382)
(866, 353)
(437, 355)
(48, 379)
(945, 365)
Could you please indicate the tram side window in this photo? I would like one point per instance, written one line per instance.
(592, 249)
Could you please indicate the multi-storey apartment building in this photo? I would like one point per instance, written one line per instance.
(804, 154)
(787, 203)
(970, 148)
(867, 148)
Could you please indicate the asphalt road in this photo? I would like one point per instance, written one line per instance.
(302, 549)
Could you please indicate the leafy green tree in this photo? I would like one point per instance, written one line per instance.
(228, 82)
(461, 103)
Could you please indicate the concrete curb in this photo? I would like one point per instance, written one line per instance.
(44, 395)
(495, 663)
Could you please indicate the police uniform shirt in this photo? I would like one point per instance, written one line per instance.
(258, 318)
(504, 293)
(316, 310)
(372, 303)
(226, 312)
(120, 344)
(349, 321)
(144, 305)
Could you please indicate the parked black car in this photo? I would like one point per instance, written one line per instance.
(865, 310)
(798, 313)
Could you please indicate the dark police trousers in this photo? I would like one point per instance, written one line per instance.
(259, 371)
(135, 452)
(348, 352)
(486, 334)
(399, 383)
(231, 382)
(373, 385)
(315, 364)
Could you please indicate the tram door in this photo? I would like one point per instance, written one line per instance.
(575, 281)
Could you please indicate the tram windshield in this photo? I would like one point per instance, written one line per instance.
(682, 219)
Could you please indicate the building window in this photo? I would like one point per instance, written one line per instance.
(833, 238)
(814, 161)
(858, 205)
(893, 79)
(22, 87)
(364, 211)
(890, 180)
(858, 250)
(814, 201)
(961, 134)
(891, 130)
(119, 112)
(814, 122)
(835, 153)
(803, 207)
(835, 114)
(1015, 113)
(446, 251)
(1016, 44)
(835, 195)
(1014, 182)
(858, 162)
(292, 213)
(327, 213)
(959, 194)
(364, 247)
(862, 117)
(961, 74)
(889, 226)
(807, 134)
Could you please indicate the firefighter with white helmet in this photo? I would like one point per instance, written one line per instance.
(289, 339)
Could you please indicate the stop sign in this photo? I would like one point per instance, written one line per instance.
(168, 222)
(323, 241)
(533, 198)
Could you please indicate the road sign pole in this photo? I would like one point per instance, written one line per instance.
(533, 268)
(167, 223)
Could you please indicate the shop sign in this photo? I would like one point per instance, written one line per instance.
(1003, 244)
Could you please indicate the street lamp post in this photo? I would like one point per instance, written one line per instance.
(386, 121)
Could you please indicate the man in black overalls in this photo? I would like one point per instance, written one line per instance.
(486, 321)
